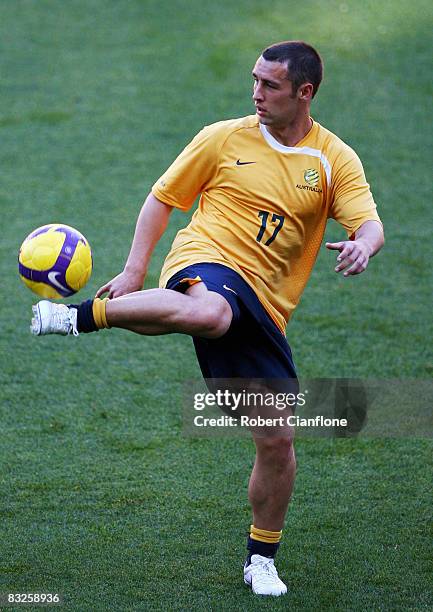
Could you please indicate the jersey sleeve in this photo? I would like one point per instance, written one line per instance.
(191, 172)
(352, 202)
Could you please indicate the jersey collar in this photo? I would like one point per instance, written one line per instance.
(272, 142)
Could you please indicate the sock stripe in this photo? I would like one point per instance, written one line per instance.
(265, 540)
(263, 535)
(96, 313)
(104, 313)
(99, 314)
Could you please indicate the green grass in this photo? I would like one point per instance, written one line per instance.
(102, 497)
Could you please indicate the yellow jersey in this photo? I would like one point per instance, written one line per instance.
(263, 206)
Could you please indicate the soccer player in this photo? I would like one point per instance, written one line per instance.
(267, 184)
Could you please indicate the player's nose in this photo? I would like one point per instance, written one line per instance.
(257, 95)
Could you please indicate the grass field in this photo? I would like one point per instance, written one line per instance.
(102, 497)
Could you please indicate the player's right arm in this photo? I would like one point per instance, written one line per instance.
(179, 186)
(151, 224)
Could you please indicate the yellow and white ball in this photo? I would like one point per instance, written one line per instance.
(55, 261)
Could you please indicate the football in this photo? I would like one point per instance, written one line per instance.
(55, 261)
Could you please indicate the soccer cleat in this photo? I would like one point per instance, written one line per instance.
(262, 576)
(51, 318)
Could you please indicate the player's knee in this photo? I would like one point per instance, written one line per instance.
(214, 317)
(277, 451)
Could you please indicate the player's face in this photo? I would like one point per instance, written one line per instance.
(275, 101)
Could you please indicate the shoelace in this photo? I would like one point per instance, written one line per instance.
(61, 317)
(73, 321)
(267, 569)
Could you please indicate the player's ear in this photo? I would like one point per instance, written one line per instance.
(305, 92)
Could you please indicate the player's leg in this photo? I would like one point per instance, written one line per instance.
(269, 491)
(151, 312)
(197, 312)
(271, 482)
(254, 355)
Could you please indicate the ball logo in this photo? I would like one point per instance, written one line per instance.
(52, 277)
(311, 177)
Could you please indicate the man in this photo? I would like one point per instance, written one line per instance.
(268, 183)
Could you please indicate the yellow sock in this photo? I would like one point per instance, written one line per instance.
(263, 535)
(99, 314)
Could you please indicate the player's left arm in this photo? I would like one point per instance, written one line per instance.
(354, 255)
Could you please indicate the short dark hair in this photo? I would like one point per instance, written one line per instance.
(304, 64)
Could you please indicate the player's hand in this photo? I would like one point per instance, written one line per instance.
(353, 257)
(123, 283)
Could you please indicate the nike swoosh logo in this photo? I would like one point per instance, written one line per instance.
(52, 277)
(239, 163)
(228, 288)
